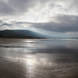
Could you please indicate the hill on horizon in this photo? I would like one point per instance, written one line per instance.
(20, 34)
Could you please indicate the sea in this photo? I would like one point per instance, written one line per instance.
(38, 58)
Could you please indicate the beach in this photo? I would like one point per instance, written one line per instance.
(38, 58)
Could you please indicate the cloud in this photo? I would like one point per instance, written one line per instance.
(21, 5)
(4, 25)
(16, 7)
(49, 15)
(5, 9)
(11, 7)
(65, 23)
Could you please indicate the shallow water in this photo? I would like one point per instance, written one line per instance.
(43, 58)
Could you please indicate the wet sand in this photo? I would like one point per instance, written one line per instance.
(38, 58)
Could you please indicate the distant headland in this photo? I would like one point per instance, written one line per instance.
(20, 34)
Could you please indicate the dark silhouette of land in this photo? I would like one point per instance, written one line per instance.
(20, 34)
(28, 34)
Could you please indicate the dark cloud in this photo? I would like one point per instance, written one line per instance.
(5, 9)
(21, 5)
(15, 6)
(66, 24)
(11, 7)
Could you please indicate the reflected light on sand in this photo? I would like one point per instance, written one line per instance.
(31, 60)
(46, 62)
(30, 65)
(30, 45)
(29, 40)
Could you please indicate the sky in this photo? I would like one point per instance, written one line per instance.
(56, 17)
